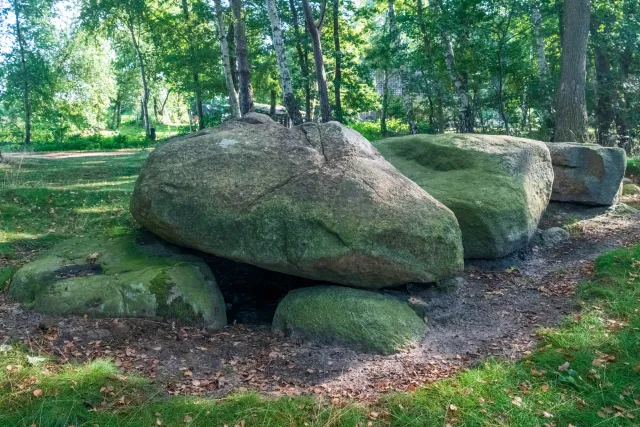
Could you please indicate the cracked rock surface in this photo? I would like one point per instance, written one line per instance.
(316, 201)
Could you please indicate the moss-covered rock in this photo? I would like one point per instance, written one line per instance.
(121, 277)
(497, 186)
(359, 319)
(630, 190)
(316, 201)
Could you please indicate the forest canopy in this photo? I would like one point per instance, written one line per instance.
(76, 69)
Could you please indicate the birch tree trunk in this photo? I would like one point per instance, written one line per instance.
(543, 65)
(465, 114)
(242, 53)
(321, 76)
(26, 99)
(337, 76)
(303, 58)
(145, 85)
(290, 101)
(407, 99)
(571, 121)
(234, 104)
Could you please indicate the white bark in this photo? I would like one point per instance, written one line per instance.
(281, 58)
(543, 66)
(234, 103)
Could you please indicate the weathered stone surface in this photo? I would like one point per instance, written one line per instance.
(359, 319)
(551, 237)
(119, 277)
(316, 201)
(587, 173)
(497, 186)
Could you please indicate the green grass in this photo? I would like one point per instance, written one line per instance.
(601, 386)
(130, 136)
(42, 201)
(633, 167)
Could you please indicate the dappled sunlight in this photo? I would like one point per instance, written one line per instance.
(10, 237)
(99, 209)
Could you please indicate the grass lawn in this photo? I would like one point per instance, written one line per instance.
(585, 373)
(131, 135)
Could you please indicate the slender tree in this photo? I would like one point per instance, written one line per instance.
(337, 75)
(303, 58)
(290, 101)
(321, 76)
(571, 119)
(234, 104)
(242, 53)
(407, 99)
(459, 80)
(24, 72)
(197, 87)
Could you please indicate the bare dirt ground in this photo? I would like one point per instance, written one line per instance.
(496, 312)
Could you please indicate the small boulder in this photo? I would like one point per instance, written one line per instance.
(551, 237)
(497, 186)
(358, 319)
(588, 174)
(630, 190)
(316, 201)
(121, 277)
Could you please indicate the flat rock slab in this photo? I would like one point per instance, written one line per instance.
(359, 319)
(121, 277)
(587, 173)
(497, 186)
(316, 201)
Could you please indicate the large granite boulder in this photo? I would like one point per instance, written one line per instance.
(121, 277)
(316, 201)
(587, 173)
(355, 318)
(497, 186)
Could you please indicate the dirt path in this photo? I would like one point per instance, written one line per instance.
(70, 154)
(494, 313)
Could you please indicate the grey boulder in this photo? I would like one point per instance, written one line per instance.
(588, 174)
(316, 201)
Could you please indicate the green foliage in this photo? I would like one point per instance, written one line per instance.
(371, 130)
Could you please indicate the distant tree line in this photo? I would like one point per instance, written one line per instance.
(548, 69)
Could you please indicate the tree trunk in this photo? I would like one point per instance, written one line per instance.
(385, 104)
(194, 71)
(543, 65)
(572, 105)
(321, 77)
(272, 105)
(242, 52)
(145, 86)
(459, 81)
(503, 114)
(164, 103)
(290, 101)
(337, 77)
(303, 58)
(234, 104)
(606, 98)
(465, 118)
(231, 41)
(25, 76)
(407, 99)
